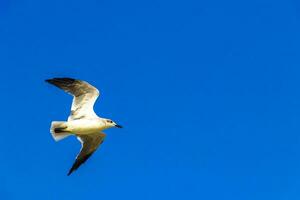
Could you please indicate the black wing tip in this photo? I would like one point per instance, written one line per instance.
(73, 168)
(70, 172)
(77, 163)
(48, 80)
(63, 79)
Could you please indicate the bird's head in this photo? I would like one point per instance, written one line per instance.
(110, 123)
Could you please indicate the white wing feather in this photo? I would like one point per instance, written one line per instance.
(84, 96)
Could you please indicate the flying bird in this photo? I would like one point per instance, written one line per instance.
(82, 122)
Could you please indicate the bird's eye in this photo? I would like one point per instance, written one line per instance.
(109, 121)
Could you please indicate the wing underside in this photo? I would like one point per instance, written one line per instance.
(85, 96)
(89, 143)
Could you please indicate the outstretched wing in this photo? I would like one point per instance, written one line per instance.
(89, 143)
(84, 95)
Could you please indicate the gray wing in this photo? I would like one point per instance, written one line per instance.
(84, 95)
(89, 143)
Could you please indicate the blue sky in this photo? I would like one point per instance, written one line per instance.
(207, 92)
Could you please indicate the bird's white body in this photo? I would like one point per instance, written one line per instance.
(86, 126)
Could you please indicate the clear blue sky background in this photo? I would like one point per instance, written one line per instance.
(208, 93)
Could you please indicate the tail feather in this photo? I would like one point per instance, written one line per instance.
(58, 130)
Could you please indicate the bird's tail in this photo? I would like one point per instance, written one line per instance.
(59, 130)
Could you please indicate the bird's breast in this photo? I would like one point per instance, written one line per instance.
(85, 126)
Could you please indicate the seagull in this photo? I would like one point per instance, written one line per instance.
(83, 122)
